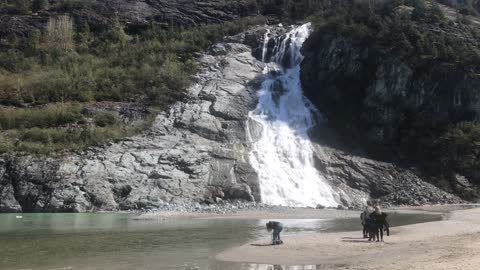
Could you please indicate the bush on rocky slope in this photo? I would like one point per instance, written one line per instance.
(66, 65)
(56, 52)
(53, 128)
(67, 62)
(399, 76)
(458, 149)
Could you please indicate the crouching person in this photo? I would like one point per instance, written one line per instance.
(277, 227)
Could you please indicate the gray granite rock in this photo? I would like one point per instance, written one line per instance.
(195, 157)
(358, 179)
(193, 147)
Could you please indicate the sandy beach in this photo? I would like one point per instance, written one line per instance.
(453, 243)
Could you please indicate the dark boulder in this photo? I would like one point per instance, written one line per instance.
(241, 192)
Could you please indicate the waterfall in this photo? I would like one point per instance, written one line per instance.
(283, 156)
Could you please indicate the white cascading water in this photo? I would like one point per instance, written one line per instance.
(283, 156)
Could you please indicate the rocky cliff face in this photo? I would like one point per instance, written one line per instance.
(386, 99)
(196, 151)
(136, 15)
(359, 179)
(396, 93)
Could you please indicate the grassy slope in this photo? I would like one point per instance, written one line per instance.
(47, 78)
(59, 71)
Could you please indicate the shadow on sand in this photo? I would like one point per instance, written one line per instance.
(355, 240)
(265, 245)
(261, 245)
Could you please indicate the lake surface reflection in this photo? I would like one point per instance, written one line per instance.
(117, 242)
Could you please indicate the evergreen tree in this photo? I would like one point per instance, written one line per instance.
(33, 43)
(116, 34)
(436, 13)
(39, 5)
(22, 7)
(404, 43)
(419, 4)
(420, 10)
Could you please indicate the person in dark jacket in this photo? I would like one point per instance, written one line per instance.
(277, 227)
(380, 219)
(363, 218)
(371, 228)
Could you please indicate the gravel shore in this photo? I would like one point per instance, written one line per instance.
(242, 210)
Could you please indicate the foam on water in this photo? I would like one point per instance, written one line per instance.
(283, 156)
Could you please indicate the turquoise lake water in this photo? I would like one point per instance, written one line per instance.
(118, 242)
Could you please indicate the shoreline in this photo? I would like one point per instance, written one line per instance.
(299, 213)
(452, 243)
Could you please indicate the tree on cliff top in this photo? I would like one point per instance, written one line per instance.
(59, 34)
(20, 7)
(39, 5)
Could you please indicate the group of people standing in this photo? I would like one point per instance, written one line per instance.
(374, 223)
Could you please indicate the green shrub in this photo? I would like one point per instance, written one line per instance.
(59, 140)
(39, 5)
(157, 66)
(59, 35)
(105, 119)
(22, 7)
(459, 146)
(36, 135)
(72, 5)
(43, 117)
(386, 31)
(15, 61)
(6, 147)
(9, 92)
(68, 64)
(116, 34)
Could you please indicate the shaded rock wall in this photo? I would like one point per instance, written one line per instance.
(395, 108)
(386, 98)
(359, 179)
